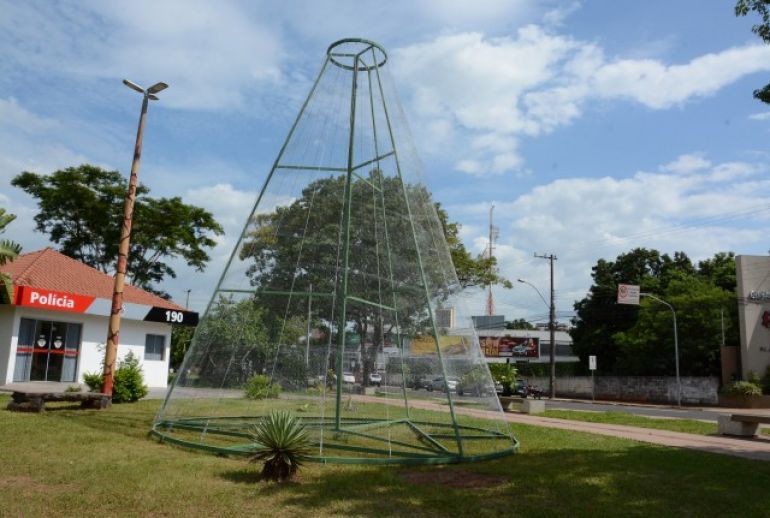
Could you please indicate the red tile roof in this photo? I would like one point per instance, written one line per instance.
(51, 270)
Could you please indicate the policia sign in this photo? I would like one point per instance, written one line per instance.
(170, 316)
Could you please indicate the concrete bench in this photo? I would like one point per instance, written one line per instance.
(744, 425)
(526, 406)
(35, 401)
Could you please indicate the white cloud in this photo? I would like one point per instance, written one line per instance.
(724, 207)
(537, 81)
(762, 116)
(686, 164)
(15, 117)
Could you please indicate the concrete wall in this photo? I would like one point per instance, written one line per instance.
(695, 390)
(753, 290)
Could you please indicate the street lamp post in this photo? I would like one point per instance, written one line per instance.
(552, 329)
(676, 345)
(113, 331)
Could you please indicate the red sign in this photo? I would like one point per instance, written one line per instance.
(52, 300)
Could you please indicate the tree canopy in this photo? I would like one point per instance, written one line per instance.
(9, 250)
(762, 8)
(81, 210)
(638, 340)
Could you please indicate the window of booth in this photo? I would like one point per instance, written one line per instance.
(154, 347)
(47, 351)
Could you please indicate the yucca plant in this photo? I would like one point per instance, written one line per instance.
(280, 439)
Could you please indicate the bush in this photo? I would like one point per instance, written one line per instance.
(94, 380)
(127, 383)
(260, 386)
(742, 388)
(280, 439)
(505, 374)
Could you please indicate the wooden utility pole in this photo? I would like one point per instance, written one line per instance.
(113, 332)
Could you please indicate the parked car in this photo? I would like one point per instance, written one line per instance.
(469, 387)
(348, 377)
(422, 383)
(520, 388)
(375, 378)
(439, 384)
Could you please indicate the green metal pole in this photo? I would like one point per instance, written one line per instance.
(423, 278)
(346, 245)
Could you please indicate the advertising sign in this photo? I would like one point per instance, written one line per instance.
(450, 345)
(628, 294)
(510, 346)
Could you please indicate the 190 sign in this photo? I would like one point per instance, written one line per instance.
(172, 316)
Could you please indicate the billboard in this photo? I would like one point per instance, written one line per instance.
(450, 345)
(510, 346)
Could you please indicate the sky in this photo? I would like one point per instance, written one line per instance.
(593, 127)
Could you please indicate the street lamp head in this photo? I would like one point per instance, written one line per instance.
(522, 280)
(133, 86)
(157, 87)
(152, 97)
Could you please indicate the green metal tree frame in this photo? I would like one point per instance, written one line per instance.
(433, 452)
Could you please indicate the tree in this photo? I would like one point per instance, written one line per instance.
(81, 209)
(762, 8)
(519, 323)
(295, 249)
(9, 250)
(638, 340)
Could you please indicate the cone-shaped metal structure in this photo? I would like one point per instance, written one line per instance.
(340, 302)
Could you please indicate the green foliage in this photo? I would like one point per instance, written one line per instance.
(281, 441)
(74, 388)
(127, 382)
(8, 252)
(519, 323)
(504, 373)
(181, 339)
(638, 340)
(742, 388)
(260, 386)
(94, 380)
(762, 8)
(81, 209)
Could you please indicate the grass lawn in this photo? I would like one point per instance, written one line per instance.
(101, 463)
(622, 418)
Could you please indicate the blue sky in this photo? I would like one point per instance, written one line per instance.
(593, 127)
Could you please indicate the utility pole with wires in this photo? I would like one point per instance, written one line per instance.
(552, 328)
(494, 233)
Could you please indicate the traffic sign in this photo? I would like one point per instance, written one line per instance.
(628, 294)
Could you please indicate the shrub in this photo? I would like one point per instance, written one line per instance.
(260, 386)
(127, 383)
(505, 374)
(742, 388)
(280, 439)
(94, 380)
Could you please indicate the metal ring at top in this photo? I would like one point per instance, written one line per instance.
(358, 53)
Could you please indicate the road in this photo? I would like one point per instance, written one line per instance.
(703, 414)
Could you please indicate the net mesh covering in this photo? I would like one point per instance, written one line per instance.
(340, 303)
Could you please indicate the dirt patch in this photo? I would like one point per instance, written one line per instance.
(454, 478)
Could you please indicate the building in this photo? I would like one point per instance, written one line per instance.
(55, 327)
